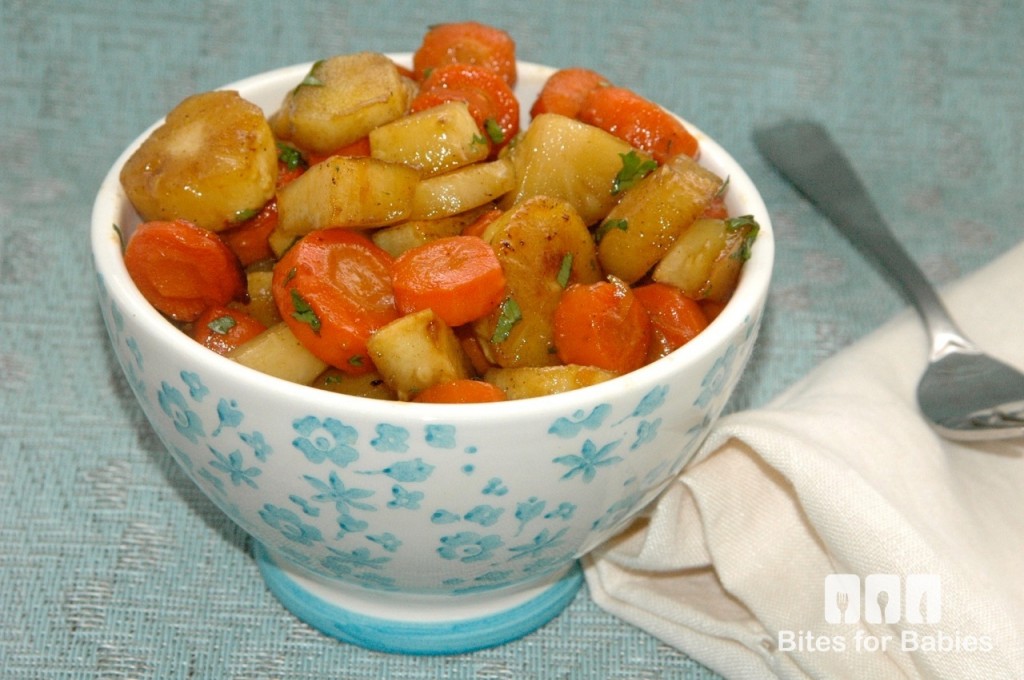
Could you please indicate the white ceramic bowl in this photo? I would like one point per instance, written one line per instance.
(424, 528)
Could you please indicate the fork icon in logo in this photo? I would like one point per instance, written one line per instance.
(842, 598)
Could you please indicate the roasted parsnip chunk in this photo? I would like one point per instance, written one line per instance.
(645, 223)
(433, 141)
(341, 100)
(543, 246)
(706, 260)
(537, 381)
(416, 351)
(212, 162)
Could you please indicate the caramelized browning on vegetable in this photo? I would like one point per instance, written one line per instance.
(392, 234)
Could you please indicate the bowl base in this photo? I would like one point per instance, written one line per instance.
(417, 624)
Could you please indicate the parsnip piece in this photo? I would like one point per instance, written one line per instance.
(645, 223)
(341, 100)
(260, 304)
(564, 158)
(463, 189)
(534, 240)
(400, 237)
(416, 351)
(277, 352)
(706, 260)
(529, 381)
(348, 192)
(211, 162)
(436, 140)
(369, 385)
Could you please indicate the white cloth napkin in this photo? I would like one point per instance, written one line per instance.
(840, 475)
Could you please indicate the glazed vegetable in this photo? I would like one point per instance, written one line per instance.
(462, 391)
(459, 278)
(566, 90)
(602, 324)
(403, 239)
(639, 121)
(466, 42)
(212, 162)
(333, 289)
(182, 269)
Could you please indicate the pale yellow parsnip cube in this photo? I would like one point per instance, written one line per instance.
(532, 381)
(433, 141)
(464, 189)
(341, 100)
(416, 351)
(277, 352)
(357, 193)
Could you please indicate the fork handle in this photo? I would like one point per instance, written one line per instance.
(805, 154)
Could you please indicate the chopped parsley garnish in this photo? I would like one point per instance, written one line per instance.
(565, 270)
(222, 324)
(494, 131)
(311, 80)
(509, 316)
(246, 214)
(634, 169)
(479, 139)
(722, 189)
(355, 360)
(290, 157)
(608, 225)
(304, 313)
(744, 222)
(120, 234)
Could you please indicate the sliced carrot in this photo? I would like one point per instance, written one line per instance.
(222, 329)
(491, 101)
(466, 42)
(250, 240)
(602, 324)
(333, 289)
(459, 277)
(675, 318)
(565, 91)
(182, 269)
(462, 391)
(638, 121)
(357, 149)
(478, 226)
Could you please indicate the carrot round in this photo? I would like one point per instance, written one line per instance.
(333, 289)
(602, 324)
(466, 42)
(462, 391)
(638, 121)
(250, 240)
(491, 101)
(182, 269)
(565, 91)
(459, 277)
(675, 318)
(222, 329)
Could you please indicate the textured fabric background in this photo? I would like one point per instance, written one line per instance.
(113, 566)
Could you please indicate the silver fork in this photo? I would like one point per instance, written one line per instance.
(964, 393)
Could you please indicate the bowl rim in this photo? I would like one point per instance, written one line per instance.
(106, 245)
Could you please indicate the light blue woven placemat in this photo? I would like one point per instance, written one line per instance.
(113, 566)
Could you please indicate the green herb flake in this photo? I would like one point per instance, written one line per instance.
(246, 214)
(311, 80)
(289, 275)
(222, 324)
(748, 223)
(304, 313)
(120, 234)
(722, 189)
(565, 270)
(290, 157)
(356, 360)
(634, 169)
(333, 379)
(494, 131)
(608, 225)
(479, 139)
(509, 316)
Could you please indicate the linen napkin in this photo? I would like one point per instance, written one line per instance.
(832, 534)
